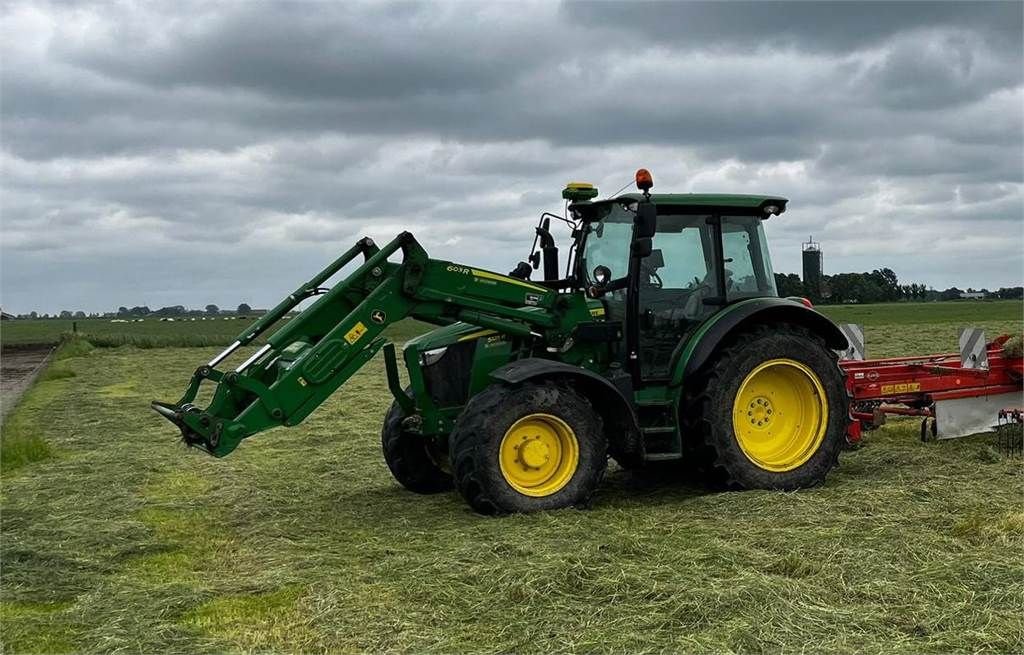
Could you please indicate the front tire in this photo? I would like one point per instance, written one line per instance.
(537, 446)
(773, 411)
(411, 457)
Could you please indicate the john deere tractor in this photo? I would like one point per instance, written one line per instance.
(663, 341)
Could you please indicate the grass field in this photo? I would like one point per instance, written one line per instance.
(938, 320)
(150, 333)
(119, 539)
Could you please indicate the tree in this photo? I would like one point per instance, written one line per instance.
(244, 309)
(172, 310)
(33, 315)
(788, 284)
(1011, 293)
(887, 283)
(951, 293)
(122, 311)
(65, 314)
(79, 314)
(212, 309)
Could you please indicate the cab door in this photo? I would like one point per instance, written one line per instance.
(675, 279)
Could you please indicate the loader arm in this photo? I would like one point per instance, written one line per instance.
(314, 353)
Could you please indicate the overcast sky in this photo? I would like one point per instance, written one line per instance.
(169, 153)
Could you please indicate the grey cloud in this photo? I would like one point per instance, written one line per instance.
(938, 70)
(818, 25)
(213, 136)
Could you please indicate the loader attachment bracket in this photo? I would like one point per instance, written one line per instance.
(176, 415)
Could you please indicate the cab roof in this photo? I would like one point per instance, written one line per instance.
(709, 199)
(699, 202)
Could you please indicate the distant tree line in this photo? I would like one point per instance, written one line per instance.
(880, 285)
(142, 311)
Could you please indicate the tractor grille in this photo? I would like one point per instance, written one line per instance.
(447, 379)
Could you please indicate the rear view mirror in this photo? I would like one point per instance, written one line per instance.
(646, 220)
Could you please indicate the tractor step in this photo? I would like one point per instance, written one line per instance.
(662, 457)
(654, 403)
(660, 429)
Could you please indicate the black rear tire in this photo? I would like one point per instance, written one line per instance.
(717, 449)
(411, 457)
(475, 447)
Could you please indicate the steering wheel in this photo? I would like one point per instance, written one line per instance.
(652, 273)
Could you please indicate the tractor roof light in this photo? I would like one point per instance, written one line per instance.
(772, 210)
(644, 181)
(579, 192)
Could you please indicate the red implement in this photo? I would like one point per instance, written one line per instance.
(912, 386)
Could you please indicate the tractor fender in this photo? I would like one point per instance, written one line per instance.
(611, 402)
(694, 352)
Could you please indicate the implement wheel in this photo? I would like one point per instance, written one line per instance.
(414, 460)
(773, 412)
(532, 447)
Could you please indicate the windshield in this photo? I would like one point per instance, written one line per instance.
(683, 255)
(607, 243)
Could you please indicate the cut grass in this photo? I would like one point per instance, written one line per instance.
(301, 541)
(21, 445)
(21, 440)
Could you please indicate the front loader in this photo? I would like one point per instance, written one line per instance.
(664, 341)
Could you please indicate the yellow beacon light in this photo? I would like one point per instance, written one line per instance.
(579, 191)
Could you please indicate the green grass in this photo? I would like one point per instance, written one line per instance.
(21, 441)
(930, 317)
(895, 329)
(151, 333)
(301, 542)
(957, 313)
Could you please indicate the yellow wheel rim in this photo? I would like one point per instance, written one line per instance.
(780, 415)
(539, 455)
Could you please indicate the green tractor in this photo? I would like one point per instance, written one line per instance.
(664, 341)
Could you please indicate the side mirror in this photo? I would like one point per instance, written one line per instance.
(521, 271)
(646, 220)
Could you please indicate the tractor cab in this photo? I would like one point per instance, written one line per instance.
(704, 252)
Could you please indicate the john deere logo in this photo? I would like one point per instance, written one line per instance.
(378, 316)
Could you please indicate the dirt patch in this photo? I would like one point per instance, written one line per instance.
(18, 369)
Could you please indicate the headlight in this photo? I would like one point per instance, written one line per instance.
(431, 357)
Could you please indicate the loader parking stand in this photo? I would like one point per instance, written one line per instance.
(661, 342)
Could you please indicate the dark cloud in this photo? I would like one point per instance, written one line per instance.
(831, 26)
(199, 138)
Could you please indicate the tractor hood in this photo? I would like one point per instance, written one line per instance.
(443, 337)
(446, 336)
